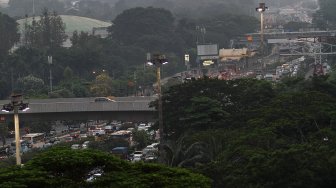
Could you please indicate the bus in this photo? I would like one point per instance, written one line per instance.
(124, 135)
(121, 152)
(34, 138)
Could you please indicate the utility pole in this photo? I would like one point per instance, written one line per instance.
(50, 73)
(158, 60)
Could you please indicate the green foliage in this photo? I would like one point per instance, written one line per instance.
(204, 112)
(47, 32)
(61, 167)
(102, 85)
(31, 86)
(141, 138)
(222, 102)
(217, 27)
(134, 24)
(8, 34)
(262, 132)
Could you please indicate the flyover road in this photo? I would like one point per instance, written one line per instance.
(124, 108)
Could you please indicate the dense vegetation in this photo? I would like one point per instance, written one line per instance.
(250, 133)
(61, 167)
(93, 66)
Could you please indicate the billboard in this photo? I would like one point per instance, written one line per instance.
(207, 49)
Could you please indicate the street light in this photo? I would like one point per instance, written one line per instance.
(158, 60)
(16, 105)
(261, 9)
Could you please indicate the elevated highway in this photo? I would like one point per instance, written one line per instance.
(294, 35)
(318, 35)
(124, 109)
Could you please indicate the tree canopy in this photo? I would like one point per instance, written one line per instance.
(63, 167)
(8, 34)
(250, 133)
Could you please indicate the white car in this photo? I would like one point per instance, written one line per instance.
(85, 145)
(155, 145)
(137, 156)
(75, 146)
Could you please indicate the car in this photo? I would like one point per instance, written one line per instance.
(52, 132)
(53, 140)
(69, 139)
(137, 156)
(150, 158)
(93, 177)
(155, 145)
(47, 145)
(94, 174)
(75, 146)
(150, 149)
(85, 145)
(103, 99)
(84, 135)
(142, 126)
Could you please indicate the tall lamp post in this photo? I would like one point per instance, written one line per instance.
(50, 73)
(16, 105)
(261, 9)
(158, 60)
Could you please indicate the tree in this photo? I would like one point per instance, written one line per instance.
(203, 113)
(67, 74)
(102, 85)
(8, 34)
(47, 32)
(138, 25)
(31, 86)
(142, 138)
(61, 167)
(220, 102)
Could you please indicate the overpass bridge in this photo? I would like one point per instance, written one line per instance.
(294, 35)
(124, 109)
(318, 35)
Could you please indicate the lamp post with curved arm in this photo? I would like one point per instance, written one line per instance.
(261, 9)
(158, 60)
(16, 105)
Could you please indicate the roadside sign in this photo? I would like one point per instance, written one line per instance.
(2, 119)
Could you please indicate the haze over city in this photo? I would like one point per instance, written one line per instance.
(167, 93)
